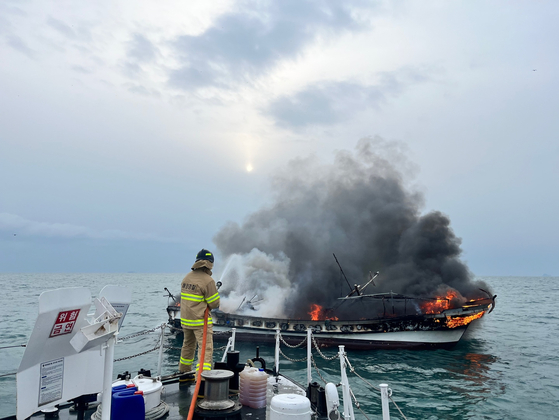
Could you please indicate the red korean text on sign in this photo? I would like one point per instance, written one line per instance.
(64, 323)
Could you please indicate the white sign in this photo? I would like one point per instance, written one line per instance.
(64, 323)
(50, 385)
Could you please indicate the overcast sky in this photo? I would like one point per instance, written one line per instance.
(132, 131)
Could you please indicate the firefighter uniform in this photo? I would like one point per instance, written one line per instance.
(198, 291)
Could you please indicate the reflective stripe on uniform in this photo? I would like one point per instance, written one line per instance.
(186, 361)
(213, 298)
(191, 297)
(207, 366)
(195, 322)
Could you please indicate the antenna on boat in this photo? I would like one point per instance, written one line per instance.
(170, 295)
(341, 269)
(241, 304)
(371, 280)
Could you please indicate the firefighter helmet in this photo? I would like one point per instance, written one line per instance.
(204, 254)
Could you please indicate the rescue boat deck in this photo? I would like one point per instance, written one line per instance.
(178, 396)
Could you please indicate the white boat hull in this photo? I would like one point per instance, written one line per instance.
(364, 340)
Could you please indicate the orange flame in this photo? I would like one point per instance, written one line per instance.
(442, 303)
(463, 320)
(317, 313)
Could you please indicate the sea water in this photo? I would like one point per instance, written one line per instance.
(505, 367)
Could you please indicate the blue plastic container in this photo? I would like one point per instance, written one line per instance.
(120, 388)
(128, 406)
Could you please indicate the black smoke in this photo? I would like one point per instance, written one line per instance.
(361, 208)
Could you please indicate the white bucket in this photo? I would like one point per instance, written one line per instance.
(151, 389)
(290, 407)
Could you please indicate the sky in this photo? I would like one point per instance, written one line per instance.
(131, 132)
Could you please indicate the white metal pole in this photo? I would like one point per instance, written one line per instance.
(160, 359)
(108, 379)
(227, 347)
(233, 331)
(384, 399)
(277, 350)
(348, 404)
(309, 355)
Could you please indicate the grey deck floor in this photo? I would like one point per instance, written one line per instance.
(178, 397)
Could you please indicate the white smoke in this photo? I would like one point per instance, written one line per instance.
(259, 277)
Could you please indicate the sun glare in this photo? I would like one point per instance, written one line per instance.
(249, 168)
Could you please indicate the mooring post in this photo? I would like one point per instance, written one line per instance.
(384, 399)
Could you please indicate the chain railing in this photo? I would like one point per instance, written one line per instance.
(151, 330)
(290, 359)
(356, 403)
(352, 369)
(139, 333)
(172, 347)
(320, 352)
(136, 355)
(293, 346)
(318, 370)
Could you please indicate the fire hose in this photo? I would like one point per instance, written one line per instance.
(202, 354)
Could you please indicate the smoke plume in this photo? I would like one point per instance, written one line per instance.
(359, 207)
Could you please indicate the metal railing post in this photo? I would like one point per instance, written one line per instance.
(277, 350)
(309, 355)
(348, 404)
(384, 398)
(230, 344)
(108, 378)
(227, 347)
(160, 359)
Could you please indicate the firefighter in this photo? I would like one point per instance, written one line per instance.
(198, 291)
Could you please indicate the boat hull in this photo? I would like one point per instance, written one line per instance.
(355, 341)
(443, 329)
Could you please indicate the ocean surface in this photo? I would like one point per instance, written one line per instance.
(506, 366)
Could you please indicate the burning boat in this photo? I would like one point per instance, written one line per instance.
(389, 320)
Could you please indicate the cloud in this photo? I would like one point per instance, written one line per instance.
(61, 28)
(6, 8)
(18, 44)
(25, 227)
(255, 37)
(328, 103)
(140, 51)
(142, 90)
(81, 69)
